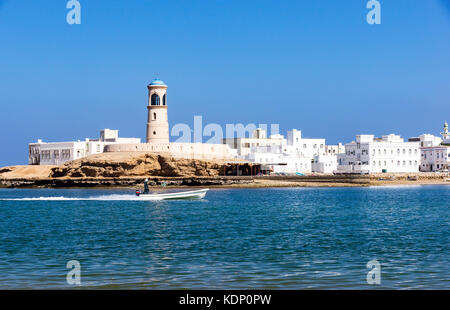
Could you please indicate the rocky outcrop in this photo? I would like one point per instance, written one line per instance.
(4, 170)
(115, 165)
(125, 182)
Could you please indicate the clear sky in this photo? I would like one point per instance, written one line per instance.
(311, 65)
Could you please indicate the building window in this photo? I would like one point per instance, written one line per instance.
(164, 99)
(155, 99)
(154, 133)
(154, 116)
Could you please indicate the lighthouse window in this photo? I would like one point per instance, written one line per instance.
(154, 116)
(155, 99)
(154, 133)
(164, 99)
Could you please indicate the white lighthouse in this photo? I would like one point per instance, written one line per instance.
(157, 140)
(157, 123)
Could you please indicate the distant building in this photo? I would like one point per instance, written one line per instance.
(335, 149)
(445, 134)
(435, 158)
(373, 155)
(157, 121)
(243, 146)
(325, 163)
(435, 152)
(276, 159)
(304, 147)
(279, 155)
(57, 153)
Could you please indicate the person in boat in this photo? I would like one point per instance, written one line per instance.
(146, 190)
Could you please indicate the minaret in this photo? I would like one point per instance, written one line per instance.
(157, 124)
(445, 135)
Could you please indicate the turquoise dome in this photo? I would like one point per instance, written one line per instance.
(157, 82)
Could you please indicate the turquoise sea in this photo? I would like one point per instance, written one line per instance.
(283, 238)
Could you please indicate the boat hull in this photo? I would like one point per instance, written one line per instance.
(198, 194)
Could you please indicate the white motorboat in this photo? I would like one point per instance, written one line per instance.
(198, 194)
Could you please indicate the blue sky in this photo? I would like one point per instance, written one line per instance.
(312, 65)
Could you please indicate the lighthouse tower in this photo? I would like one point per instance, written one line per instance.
(157, 123)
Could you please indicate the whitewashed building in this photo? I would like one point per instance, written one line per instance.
(435, 152)
(436, 158)
(279, 155)
(373, 155)
(243, 146)
(335, 149)
(57, 153)
(276, 159)
(304, 147)
(325, 163)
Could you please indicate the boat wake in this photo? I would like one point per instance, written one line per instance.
(95, 198)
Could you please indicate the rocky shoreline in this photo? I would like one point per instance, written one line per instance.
(124, 182)
(131, 169)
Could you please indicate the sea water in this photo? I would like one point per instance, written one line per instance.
(283, 238)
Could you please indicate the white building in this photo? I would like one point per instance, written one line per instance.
(373, 155)
(325, 163)
(436, 158)
(291, 155)
(57, 153)
(445, 134)
(435, 152)
(335, 149)
(243, 146)
(276, 159)
(303, 147)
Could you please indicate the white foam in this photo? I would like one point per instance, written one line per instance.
(61, 198)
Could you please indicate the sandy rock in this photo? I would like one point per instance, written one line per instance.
(135, 164)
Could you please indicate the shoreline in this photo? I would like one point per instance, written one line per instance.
(41, 177)
(214, 182)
